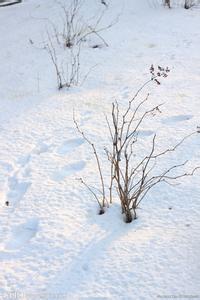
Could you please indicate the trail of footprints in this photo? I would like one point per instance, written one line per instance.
(18, 182)
(16, 187)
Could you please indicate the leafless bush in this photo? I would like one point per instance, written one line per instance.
(133, 175)
(75, 29)
(135, 178)
(67, 68)
(72, 25)
(71, 38)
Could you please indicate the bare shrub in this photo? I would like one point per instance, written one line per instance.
(133, 177)
(72, 25)
(64, 45)
(75, 28)
(67, 68)
(133, 174)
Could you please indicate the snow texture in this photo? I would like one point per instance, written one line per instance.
(53, 243)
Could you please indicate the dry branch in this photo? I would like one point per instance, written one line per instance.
(103, 202)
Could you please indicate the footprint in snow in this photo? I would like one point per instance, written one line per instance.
(145, 133)
(68, 170)
(22, 234)
(178, 118)
(42, 147)
(16, 189)
(24, 160)
(69, 146)
(6, 166)
(85, 117)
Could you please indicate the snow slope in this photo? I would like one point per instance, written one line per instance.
(53, 244)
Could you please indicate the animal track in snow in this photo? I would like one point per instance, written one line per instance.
(69, 146)
(68, 170)
(178, 118)
(6, 166)
(24, 160)
(42, 147)
(22, 234)
(145, 133)
(85, 117)
(17, 183)
(16, 189)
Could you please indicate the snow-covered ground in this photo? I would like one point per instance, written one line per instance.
(53, 244)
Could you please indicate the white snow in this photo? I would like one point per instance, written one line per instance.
(53, 244)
